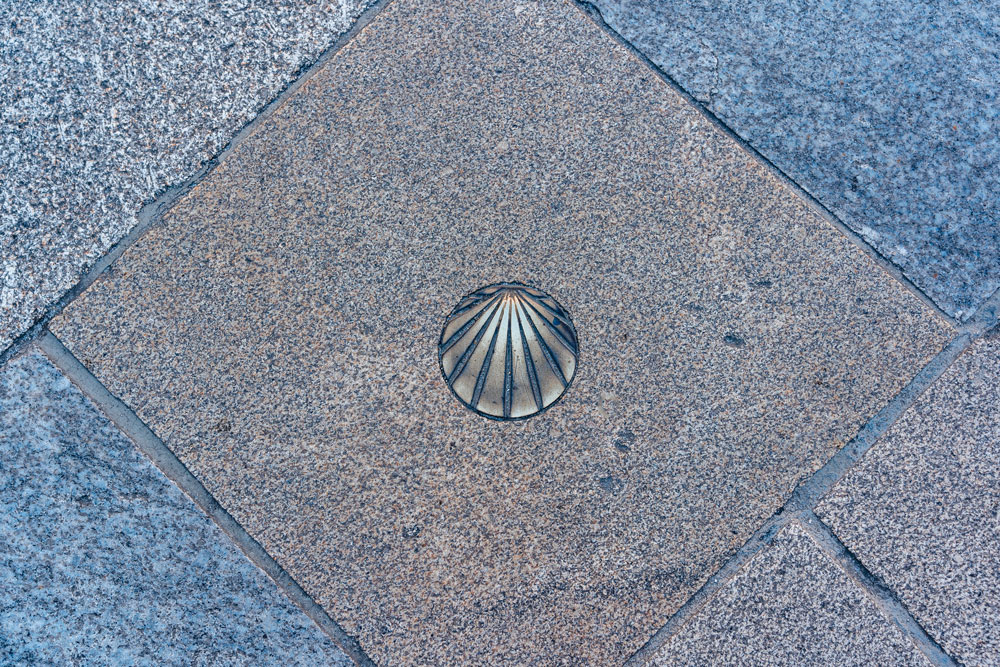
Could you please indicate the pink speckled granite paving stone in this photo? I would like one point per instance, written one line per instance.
(279, 331)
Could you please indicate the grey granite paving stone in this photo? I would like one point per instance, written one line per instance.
(104, 104)
(886, 111)
(922, 509)
(790, 605)
(279, 331)
(104, 561)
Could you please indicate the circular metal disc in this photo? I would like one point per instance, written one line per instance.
(508, 351)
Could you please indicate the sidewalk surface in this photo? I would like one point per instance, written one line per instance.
(780, 443)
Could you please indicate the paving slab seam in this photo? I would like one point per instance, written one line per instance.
(761, 538)
(920, 509)
(883, 596)
(153, 448)
(152, 212)
(592, 12)
(809, 492)
(986, 317)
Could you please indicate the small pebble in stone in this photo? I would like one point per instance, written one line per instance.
(732, 340)
(623, 442)
(611, 484)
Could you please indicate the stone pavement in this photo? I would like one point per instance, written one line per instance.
(105, 105)
(886, 112)
(315, 260)
(922, 510)
(791, 605)
(105, 561)
(747, 468)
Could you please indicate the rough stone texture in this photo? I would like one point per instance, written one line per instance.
(104, 104)
(104, 561)
(790, 605)
(886, 111)
(922, 509)
(279, 331)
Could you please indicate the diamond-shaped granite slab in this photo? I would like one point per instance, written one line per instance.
(279, 331)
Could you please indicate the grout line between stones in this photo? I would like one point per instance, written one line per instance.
(165, 460)
(986, 316)
(152, 212)
(594, 14)
(883, 597)
(810, 491)
(761, 538)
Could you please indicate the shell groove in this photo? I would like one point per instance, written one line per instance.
(508, 351)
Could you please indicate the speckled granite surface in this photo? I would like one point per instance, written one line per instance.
(279, 331)
(886, 111)
(922, 509)
(104, 104)
(791, 605)
(104, 561)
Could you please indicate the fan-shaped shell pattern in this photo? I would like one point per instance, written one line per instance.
(508, 351)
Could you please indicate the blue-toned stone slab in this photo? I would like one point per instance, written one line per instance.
(885, 111)
(104, 561)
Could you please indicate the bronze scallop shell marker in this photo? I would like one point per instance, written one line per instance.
(508, 351)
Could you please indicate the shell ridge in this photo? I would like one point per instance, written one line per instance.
(552, 328)
(557, 312)
(529, 363)
(508, 367)
(484, 370)
(457, 336)
(546, 350)
(460, 366)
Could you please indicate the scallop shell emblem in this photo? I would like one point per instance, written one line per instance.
(508, 351)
